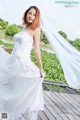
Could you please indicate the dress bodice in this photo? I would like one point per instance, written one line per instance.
(23, 43)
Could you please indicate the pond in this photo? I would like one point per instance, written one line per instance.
(6, 38)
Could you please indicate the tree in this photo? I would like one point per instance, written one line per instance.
(76, 43)
(12, 30)
(3, 24)
(20, 27)
(63, 34)
(43, 37)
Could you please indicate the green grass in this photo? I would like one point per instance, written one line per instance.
(51, 66)
(6, 44)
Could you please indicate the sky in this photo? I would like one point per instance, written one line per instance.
(63, 16)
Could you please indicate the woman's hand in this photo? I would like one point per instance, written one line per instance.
(6, 48)
(42, 73)
(2, 46)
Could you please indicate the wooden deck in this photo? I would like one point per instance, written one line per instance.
(61, 105)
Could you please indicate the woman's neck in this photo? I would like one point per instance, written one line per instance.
(28, 25)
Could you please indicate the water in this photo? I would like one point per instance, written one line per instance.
(6, 38)
(47, 49)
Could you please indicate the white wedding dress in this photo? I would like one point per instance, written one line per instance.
(21, 92)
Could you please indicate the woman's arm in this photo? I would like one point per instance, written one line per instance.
(36, 38)
(7, 48)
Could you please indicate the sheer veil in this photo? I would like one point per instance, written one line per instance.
(68, 56)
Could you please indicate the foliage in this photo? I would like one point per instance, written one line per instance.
(51, 66)
(76, 43)
(20, 27)
(43, 37)
(3, 24)
(63, 34)
(6, 44)
(12, 30)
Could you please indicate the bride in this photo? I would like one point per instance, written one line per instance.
(21, 93)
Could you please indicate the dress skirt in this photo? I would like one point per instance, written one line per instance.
(21, 92)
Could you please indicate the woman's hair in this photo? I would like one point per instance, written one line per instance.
(36, 22)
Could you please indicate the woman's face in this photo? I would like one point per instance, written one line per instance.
(31, 15)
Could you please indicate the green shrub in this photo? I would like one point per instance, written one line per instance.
(51, 66)
(43, 37)
(3, 24)
(76, 43)
(12, 30)
(63, 34)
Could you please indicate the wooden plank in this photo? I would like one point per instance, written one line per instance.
(60, 106)
(39, 118)
(64, 103)
(55, 114)
(76, 117)
(52, 104)
(52, 111)
(74, 103)
(61, 115)
(64, 117)
(70, 104)
(58, 102)
(49, 114)
(43, 116)
(70, 117)
(76, 97)
(73, 99)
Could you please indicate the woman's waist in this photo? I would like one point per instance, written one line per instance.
(21, 53)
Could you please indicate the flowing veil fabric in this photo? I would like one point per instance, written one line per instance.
(68, 56)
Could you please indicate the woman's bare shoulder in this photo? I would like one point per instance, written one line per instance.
(36, 31)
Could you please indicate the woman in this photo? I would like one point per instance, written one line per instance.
(21, 93)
